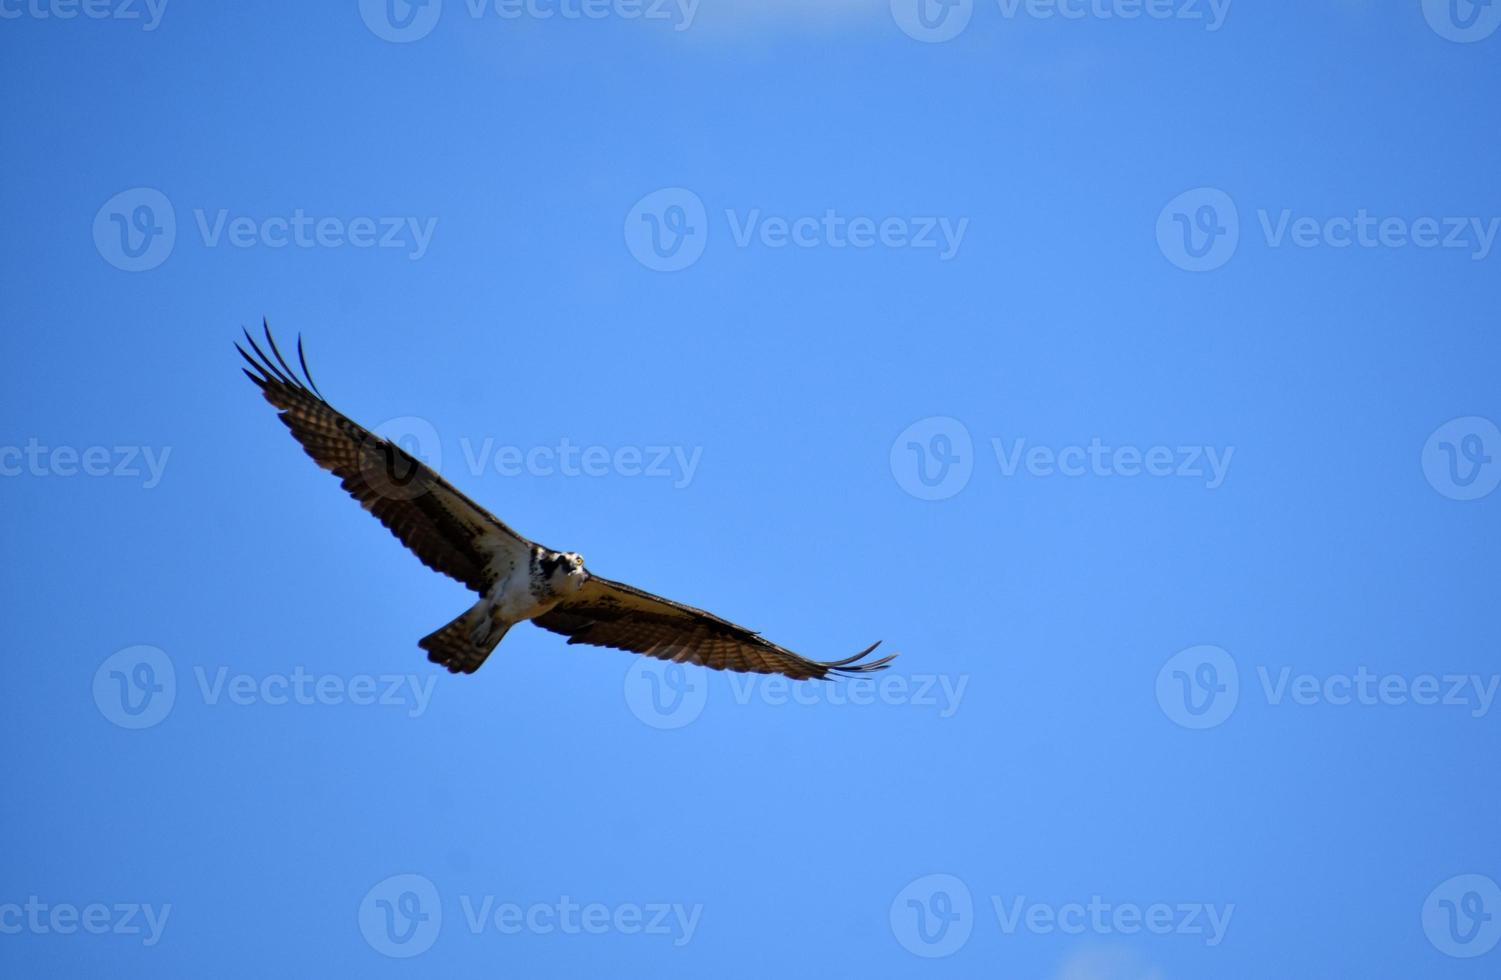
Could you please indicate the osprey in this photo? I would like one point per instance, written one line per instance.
(516, 579)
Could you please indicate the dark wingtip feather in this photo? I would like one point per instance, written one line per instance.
(302, 359)
(274, 368)
(260, 377)
(851, 666)
(266, 364)
(271, 342)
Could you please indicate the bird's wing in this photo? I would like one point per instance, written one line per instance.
(612, 614)
(448, 531)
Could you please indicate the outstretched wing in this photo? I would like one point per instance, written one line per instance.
(612, 614)
(444, 528)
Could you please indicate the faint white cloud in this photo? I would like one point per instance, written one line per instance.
(772, 15)
(1108, 964)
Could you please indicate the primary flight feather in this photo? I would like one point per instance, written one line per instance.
(517, 579)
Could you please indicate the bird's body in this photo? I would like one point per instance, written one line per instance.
(526, 586)
(516, 579)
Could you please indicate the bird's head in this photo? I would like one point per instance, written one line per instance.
(565, 571)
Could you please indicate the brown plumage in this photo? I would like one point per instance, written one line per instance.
(453, 535)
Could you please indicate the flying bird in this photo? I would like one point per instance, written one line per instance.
(516, 578)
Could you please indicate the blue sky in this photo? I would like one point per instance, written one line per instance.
(1130, 368)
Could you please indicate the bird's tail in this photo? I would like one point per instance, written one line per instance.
(463, 644)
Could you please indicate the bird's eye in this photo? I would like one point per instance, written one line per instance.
(578, 561)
